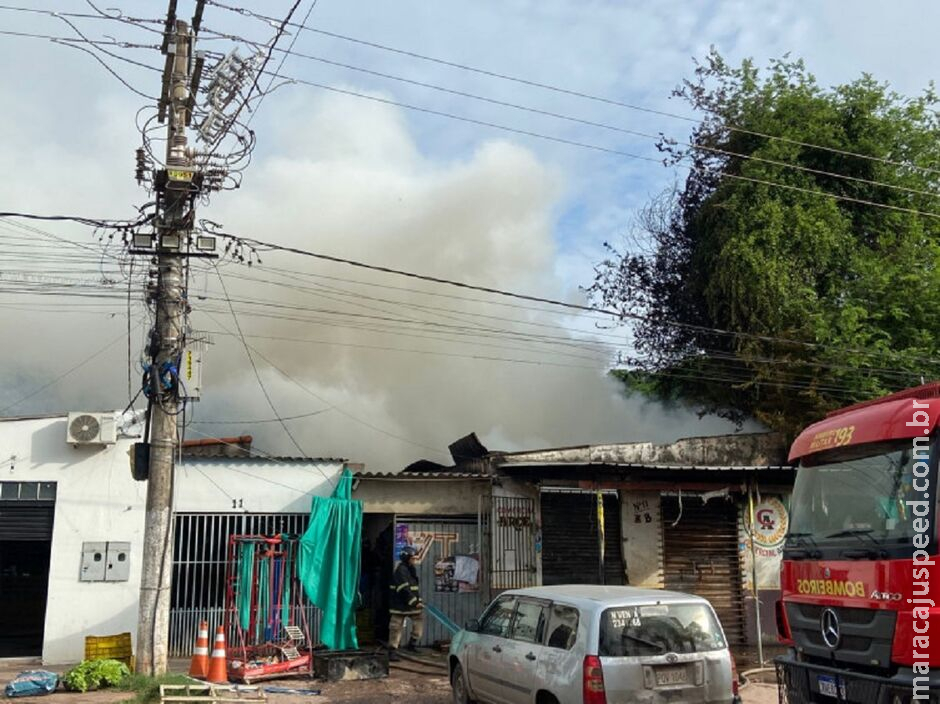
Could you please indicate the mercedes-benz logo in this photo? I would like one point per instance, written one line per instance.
(826, 573)
(829, 625)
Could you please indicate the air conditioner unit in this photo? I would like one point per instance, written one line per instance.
(91, 429)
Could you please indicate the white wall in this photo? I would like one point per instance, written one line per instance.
(642, 534)
(98, 500)
(419, 497)
(256, 485)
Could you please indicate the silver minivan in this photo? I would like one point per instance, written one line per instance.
(585, 644)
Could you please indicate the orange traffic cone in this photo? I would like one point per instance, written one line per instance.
(200, 664)
(218, 674)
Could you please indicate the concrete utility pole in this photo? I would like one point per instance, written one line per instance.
(173, 224)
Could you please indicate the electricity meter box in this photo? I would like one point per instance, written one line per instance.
(105, 562)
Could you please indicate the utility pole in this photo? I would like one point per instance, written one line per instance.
(173, 224)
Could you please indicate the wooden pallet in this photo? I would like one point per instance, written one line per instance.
(182, 693)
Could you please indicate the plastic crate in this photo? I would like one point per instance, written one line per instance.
(117, 647)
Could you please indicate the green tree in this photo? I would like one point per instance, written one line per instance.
(755, 248)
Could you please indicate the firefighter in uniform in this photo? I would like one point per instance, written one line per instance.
(405, 603)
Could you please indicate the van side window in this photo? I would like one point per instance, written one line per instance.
(498, 617)
(562, 627)
(529, 625)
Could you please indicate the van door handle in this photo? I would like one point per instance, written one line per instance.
(530, 656)
(497, 649)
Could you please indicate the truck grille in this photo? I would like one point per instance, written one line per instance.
(798, 684)
(866, 634)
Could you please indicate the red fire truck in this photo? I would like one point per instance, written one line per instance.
(860, 608)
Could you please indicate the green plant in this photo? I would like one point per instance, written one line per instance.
(92, 674)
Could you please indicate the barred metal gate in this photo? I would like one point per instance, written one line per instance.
(512, 536)
(199, 555)
(448, 557)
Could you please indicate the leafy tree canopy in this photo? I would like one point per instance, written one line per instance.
(755, 292)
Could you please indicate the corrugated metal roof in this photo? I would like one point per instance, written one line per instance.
(509, 466)
(413, 476)
(255, 459)
(280, 458)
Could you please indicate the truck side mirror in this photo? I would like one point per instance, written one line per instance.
(473, 626)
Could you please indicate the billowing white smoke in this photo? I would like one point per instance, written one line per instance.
(348, 179)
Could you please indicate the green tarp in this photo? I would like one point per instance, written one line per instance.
(329, 563)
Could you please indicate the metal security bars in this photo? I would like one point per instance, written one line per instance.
(512, 529)
(199, 558)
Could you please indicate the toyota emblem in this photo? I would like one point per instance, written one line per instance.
(672, 658)
(829, 625)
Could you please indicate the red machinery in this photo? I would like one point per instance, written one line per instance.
(859, 582)
(266, 609)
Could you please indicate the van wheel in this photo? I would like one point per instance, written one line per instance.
(545, 698)
(458, 683)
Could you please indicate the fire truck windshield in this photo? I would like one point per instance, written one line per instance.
(859, 499)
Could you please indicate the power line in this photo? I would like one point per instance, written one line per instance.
(735, 376)
(257, 421)
(590, 123)
(405, 322)
(122, 225)
(287, 53)
(133, 21)
(536, 299)
(415, 351)
(254, 367)
(474, 330)
(74, 44)
(609, 150)
(254, 85)
(60, 377)
(322, 400)
(714, 355)
(261, 455)
(565, 91)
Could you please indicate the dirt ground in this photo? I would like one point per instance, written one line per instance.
(758, 693)
(401, 687)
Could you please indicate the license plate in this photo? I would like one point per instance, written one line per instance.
(828, 686)
(671, 675)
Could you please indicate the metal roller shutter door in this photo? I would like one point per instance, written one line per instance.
(570, 553)
(21, 520)
(701, 557)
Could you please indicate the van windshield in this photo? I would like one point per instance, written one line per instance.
(657, 629)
